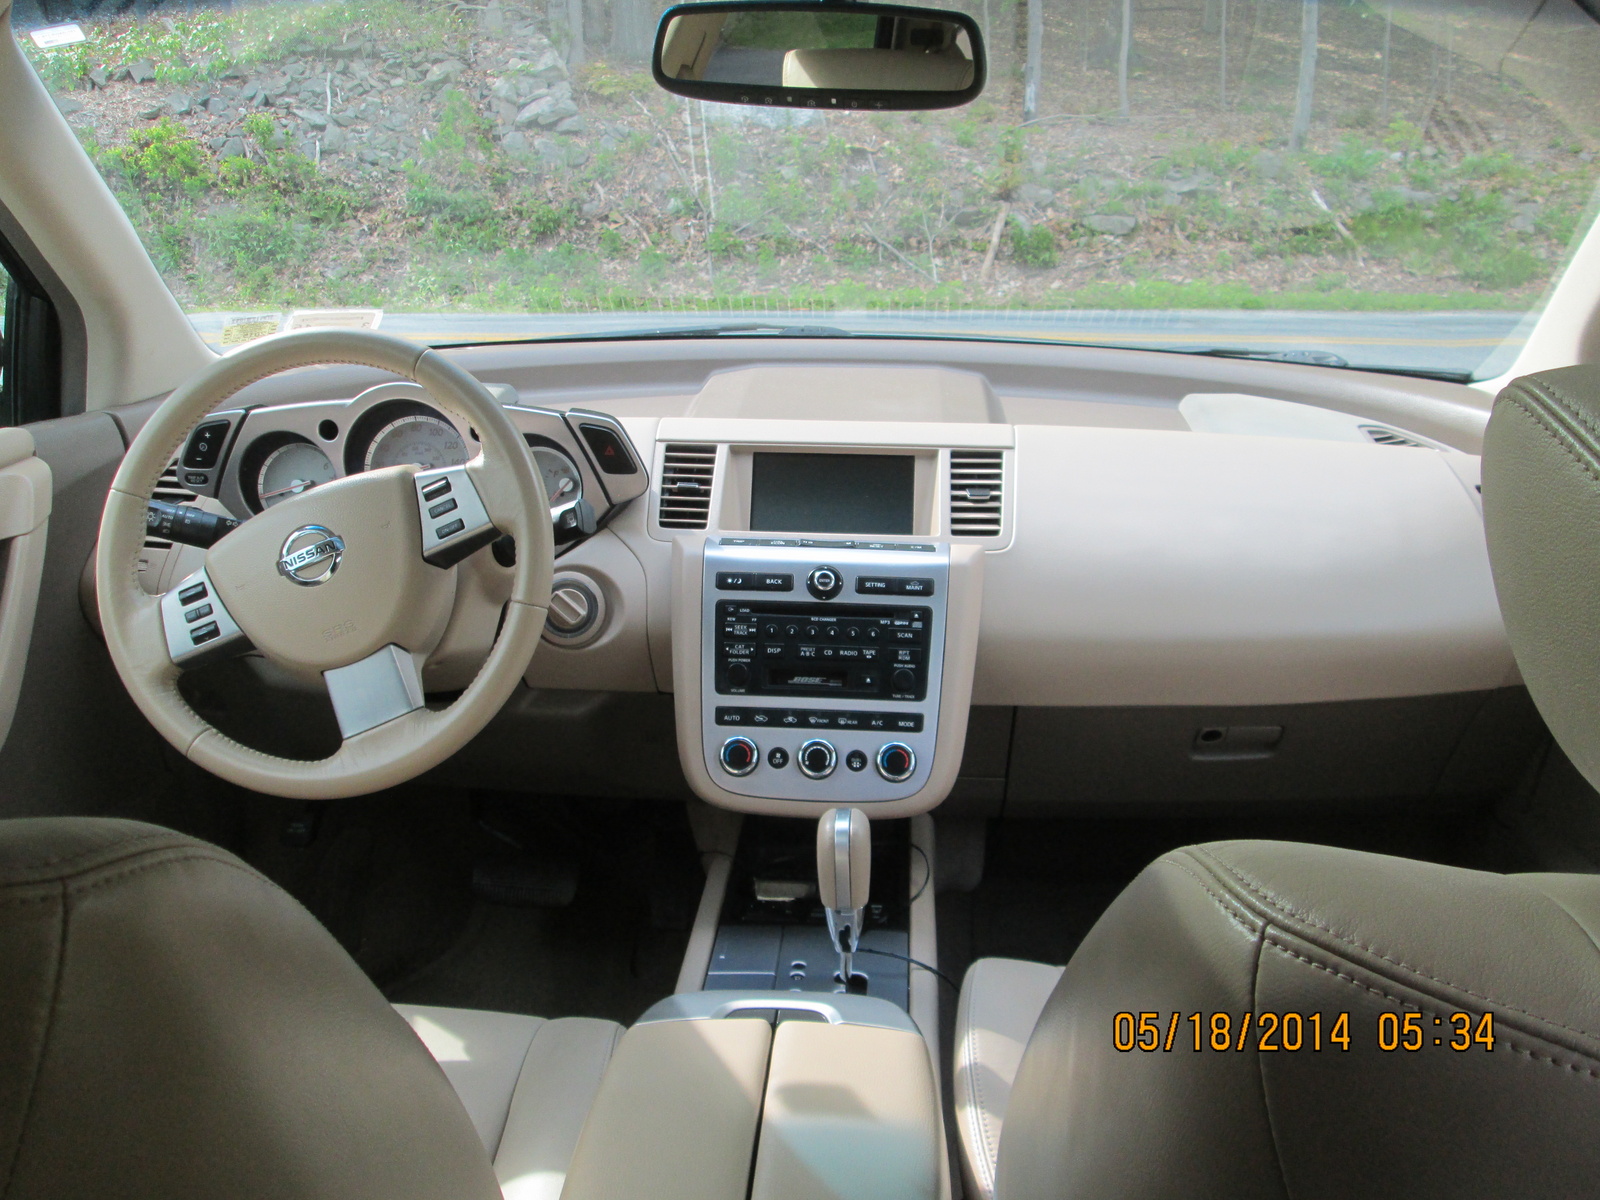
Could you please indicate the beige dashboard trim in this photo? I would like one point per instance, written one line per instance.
(962, 617)
(25, 500)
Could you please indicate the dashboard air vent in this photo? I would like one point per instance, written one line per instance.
(976, 478)
(687, 473)
(169, 489)
(1385, 436)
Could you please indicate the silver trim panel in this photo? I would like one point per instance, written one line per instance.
(449, 536)
(835, 1008)
(380, 688)
(183, 621)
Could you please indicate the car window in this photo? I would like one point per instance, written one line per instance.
(1379, 185)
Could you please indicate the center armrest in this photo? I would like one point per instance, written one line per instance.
(715, 1096)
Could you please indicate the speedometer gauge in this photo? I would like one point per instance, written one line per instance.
(562, 483)
(421, 440)
(290, 470)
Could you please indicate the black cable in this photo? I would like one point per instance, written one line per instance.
(953, 985)
(927, 869)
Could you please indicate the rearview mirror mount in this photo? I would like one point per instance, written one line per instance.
(831, 55)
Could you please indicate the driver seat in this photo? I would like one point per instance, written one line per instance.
(174, 1025)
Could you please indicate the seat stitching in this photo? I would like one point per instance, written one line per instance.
(1553, 432)
(1545, 391)
(1261, 1063)
(90, 853)
(44, 1048)
(975, 1123)
(1406, 1003)
(1228, 904)
(1355, 944)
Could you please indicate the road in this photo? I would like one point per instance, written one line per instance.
(1426, 341)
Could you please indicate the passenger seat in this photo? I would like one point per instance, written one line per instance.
(1001, 999)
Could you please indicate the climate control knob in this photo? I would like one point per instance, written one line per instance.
(817, 759)
(825, 583)
(896, 762)
(739, 756)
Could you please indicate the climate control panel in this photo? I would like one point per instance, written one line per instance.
(821, 666)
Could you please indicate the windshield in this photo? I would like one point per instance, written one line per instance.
(1384, 185)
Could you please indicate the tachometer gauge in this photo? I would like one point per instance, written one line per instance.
(290, 470)
(562, 483)
(424, 441)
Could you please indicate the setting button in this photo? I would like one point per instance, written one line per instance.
(874, 585)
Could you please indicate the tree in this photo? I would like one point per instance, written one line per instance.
(575, 47)
(633, 29)
(1125, 48)
(1308, 74)
(1030, 74)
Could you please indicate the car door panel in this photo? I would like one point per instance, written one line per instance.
(25, 497)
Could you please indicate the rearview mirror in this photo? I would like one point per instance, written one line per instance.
(829, 55)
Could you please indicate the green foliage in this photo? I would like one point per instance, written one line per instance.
(1403, 135)
(163, 159)
(1353, 160)
(1035, 247)
(600, 78)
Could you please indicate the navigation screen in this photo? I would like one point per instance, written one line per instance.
(832, 493)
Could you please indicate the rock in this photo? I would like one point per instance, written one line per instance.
(1416, 196)
(142, 71)
(535, 113)
(1522, 223)
(232, 148)
(609, 143)
(550, 150)
(1269, 165)
(180, 104)
(68, 105)
(216, 105)
(572, 125)
(1032, 193)
(548, 66)
(98, 77)
(1182, 185)
(577, 155)
(308, 148)
(592, 209)
(345, 117)
(335, 140)
(312, 117)
(492, 20)
(295, 70)
(154, 111)
(969, 218)
(347, 51)
(444, 72)
(505, 113)
(217, 143)
(1116, 226)
(369, 156)
(514, 143)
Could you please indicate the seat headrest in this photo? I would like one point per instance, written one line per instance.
(1541, 510)
(174, 1025)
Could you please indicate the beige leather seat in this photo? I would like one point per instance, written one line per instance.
(1317, 945)
(174, 1026)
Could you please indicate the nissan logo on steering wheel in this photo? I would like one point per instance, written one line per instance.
(310, 555)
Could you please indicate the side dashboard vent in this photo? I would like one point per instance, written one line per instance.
(976, 480)
(169, 489)
(1385, 436)
(687, 473)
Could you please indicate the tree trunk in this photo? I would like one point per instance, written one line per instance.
(575, 48)
(1030, 75)
(632, 30)
(1308, 74)
(1222, 76)
(1388, 32)
(1125, 49)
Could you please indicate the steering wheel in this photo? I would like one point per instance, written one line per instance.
(354, 579)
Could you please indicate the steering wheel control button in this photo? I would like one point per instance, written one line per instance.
(205, 446)
(825, 583)
(739, 756)
(198, 632)
(817, 759)
(310, 555)
(896, 762)
(447, 544)
(777, 758)
(856, 760)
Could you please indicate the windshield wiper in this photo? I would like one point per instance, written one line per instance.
(661, 333)
(1325, 358)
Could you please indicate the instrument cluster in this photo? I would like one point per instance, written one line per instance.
(267, 455)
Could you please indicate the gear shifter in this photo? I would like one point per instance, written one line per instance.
(844, 879)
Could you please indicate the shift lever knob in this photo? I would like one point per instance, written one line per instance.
(844, 879)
